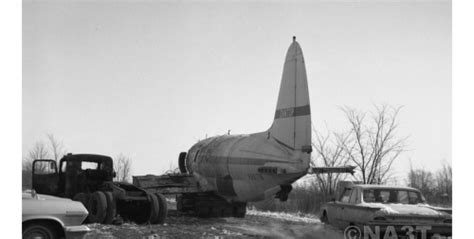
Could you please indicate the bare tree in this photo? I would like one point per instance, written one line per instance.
(122, 167)
(422, 180)
(372, 144)
(39, 151)
(329, 152)
(57, 147)
(436, 187)
(444, 181)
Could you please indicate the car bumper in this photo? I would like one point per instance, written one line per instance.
(76, 232)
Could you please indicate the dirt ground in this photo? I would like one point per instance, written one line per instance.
(256, 224)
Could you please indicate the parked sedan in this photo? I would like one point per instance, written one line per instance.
(402, 208)
(51, 217)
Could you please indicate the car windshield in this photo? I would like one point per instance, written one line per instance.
(402, 196)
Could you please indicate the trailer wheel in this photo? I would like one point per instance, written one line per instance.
(227, 212)
(155, 209)
(97, 207)
(215, 211)
(163, 212)
(179, 203)
(111, 208)
(201, 209)
(324, 218)
(240, 210)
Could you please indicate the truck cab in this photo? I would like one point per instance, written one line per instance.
(76, 173)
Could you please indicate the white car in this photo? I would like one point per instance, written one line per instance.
(50, 217)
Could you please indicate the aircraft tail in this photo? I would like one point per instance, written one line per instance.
(292, 123)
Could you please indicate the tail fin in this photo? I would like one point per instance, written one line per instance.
(292, 124)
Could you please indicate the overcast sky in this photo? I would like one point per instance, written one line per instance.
(148, 79)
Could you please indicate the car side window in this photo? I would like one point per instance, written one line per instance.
(369, 196)
(402, 197)
(413, 198)
(354, 196)
(346, 195)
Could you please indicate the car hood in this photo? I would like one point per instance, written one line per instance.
(405, 209)
(28, 195)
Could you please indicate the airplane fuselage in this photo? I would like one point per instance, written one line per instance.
(245, 168)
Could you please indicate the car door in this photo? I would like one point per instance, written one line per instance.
(352, 212)
(341, 208)
(45, 176)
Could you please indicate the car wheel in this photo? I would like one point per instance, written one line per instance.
(40, 230)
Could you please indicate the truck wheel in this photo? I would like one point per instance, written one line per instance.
(154, 209)
(111, 208)
(97, 207)
(81, 197)
(163, 212)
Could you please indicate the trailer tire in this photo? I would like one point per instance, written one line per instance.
(97, 207)
(324, 218)
(111, 208)
(163, 212)
(155, 209)
(240, 210)
(179, 203)
(227, 212)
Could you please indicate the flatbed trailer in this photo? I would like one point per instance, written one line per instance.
(169, 184)
(191, 197)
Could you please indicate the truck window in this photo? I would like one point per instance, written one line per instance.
(63, 166)
(45, 167)
(89, 165)
(346, 195)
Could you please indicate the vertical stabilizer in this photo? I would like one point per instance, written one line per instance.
(292, 123)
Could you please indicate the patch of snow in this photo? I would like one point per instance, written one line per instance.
(295, 217)
(399, 208)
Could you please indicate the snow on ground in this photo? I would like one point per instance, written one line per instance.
(255, 224)
(296, 217)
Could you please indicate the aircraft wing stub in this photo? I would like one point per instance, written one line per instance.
(345, 169)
